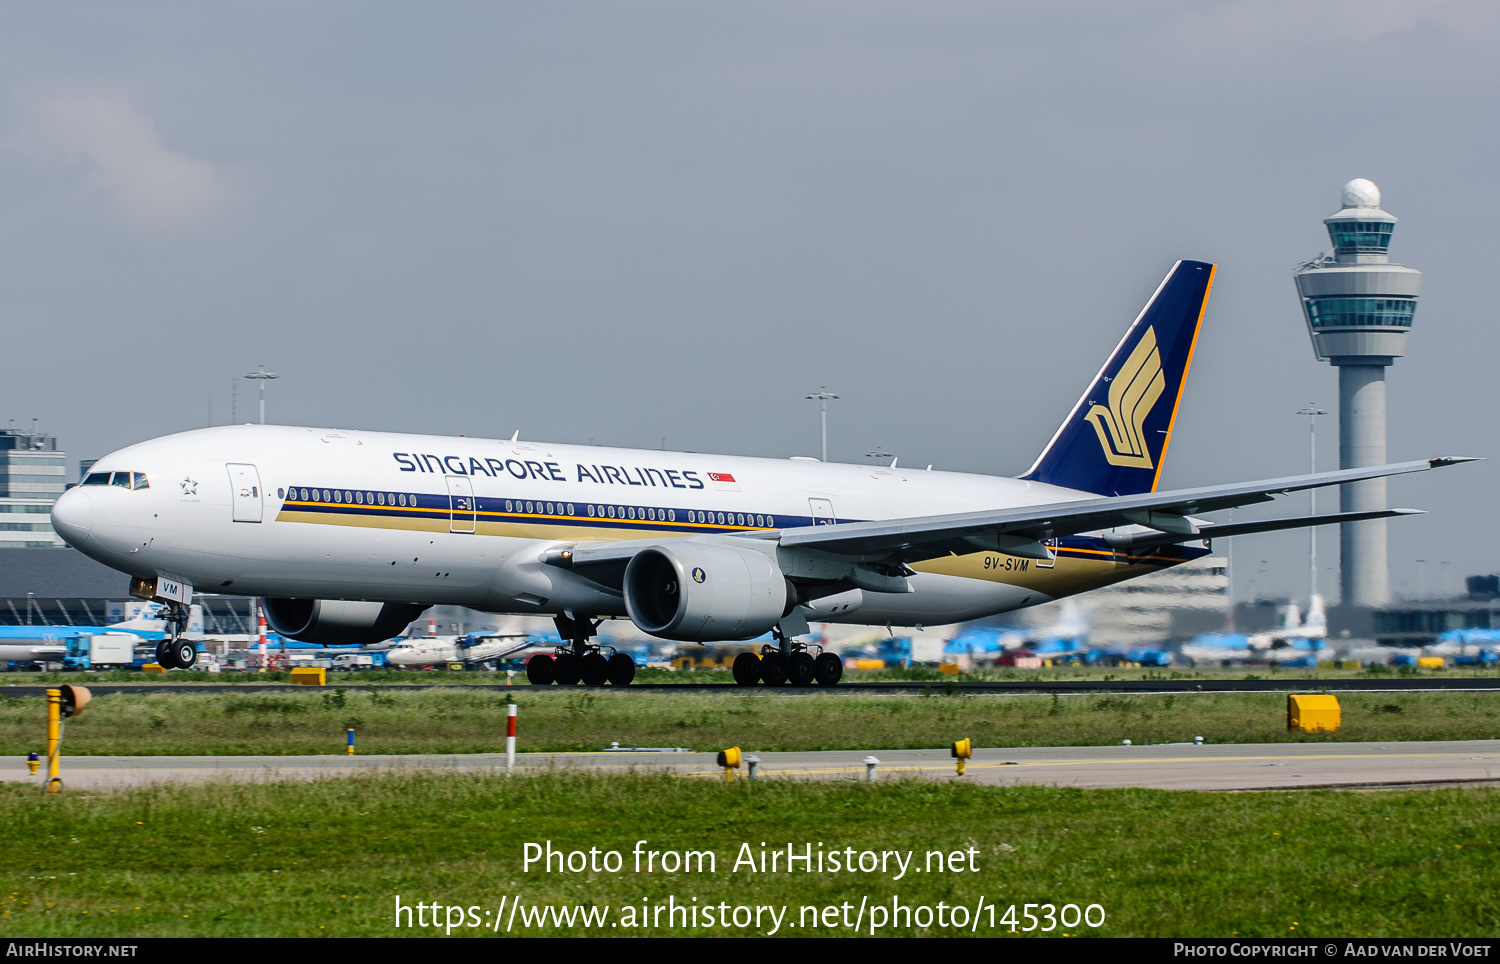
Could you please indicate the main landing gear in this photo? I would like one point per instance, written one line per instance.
(175, 652)
(788, 662)
(578, 660)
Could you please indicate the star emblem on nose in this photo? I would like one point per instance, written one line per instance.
(189, 487)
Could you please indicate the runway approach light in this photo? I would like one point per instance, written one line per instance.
(74, 700)
(730, 760)
(961, 751)
(63, 703)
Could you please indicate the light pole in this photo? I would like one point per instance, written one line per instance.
(822, 395)
(1312, 412)
(261, 376)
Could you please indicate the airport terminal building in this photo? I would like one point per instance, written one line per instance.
(32, 476)
(64, 587)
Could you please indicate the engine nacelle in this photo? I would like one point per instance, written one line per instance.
(338, 622)
(700, 591)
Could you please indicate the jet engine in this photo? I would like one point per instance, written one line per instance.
(338, 622)
(701, 591)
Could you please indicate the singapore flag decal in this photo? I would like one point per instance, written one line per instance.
(724, 482)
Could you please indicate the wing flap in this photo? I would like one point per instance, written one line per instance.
(1141, 540)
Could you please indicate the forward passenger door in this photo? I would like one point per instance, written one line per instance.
(244, 492)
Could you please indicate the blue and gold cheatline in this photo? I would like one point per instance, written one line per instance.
(1083, 562)
(434, 512)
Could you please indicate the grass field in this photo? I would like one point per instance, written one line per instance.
(330, 858)
(552, 719)
(915, 674)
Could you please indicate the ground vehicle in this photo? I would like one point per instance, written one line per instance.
(100, 650)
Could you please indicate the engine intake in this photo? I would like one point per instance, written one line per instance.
(701, 591)
(338, 622)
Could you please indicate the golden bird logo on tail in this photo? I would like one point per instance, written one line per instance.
(1132, 394)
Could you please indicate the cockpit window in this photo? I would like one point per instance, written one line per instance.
(125, 480)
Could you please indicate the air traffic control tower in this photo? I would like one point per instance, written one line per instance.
(1359, 308)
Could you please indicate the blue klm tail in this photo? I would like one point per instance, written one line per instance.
(1115, 439)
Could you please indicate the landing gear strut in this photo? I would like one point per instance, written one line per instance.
(175, 652)
(579, 660)
(788, 661)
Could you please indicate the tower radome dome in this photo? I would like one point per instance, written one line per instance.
(1361, 193)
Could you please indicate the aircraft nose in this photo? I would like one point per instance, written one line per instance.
(73, 516)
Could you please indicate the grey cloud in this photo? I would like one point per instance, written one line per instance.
(121, 156)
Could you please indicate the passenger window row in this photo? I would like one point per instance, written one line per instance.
(629, 512)
(125, 480)
(345, 496)
(693, 515)
(539, 508)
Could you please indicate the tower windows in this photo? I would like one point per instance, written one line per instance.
(1360, 312)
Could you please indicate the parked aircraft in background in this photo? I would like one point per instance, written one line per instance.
(49, 644)
(349, 536)
(1293, 643)
(437, 650)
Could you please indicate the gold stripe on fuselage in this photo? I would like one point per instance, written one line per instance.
(1076, 569)
(518, 525)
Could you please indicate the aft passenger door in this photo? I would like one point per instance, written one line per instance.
(461, 503)
(244, 492)
(822, 512)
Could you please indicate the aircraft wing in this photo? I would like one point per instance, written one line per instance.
(1021, 531)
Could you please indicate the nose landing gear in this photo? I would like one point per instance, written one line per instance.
(175, 652)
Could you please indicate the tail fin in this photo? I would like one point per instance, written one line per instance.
(1115, 440)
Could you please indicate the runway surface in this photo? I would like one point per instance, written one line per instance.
(1269, 766)
(1393, 684)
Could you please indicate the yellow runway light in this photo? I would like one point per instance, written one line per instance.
(730, 760)
(961, 751)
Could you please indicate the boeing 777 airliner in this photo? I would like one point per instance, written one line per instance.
(349, 535)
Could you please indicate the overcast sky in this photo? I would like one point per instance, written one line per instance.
(633, 221)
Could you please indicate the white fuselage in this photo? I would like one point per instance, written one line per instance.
(281, 511)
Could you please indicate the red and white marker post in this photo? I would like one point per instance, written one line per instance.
(510, 737)
(260, 616)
